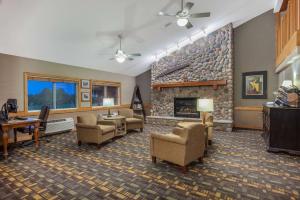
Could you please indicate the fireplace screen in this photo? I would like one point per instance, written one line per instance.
(186, 107)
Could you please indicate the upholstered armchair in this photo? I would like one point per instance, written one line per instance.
(90, 130)
(181, 147)
(133, 121)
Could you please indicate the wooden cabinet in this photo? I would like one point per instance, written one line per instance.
(282, 129)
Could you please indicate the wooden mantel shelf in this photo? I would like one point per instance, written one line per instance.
(213, 83)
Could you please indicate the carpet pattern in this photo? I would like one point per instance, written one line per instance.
(236, 167)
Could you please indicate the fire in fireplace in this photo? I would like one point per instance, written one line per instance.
(186, 107)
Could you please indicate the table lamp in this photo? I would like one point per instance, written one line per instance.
(205, 106)
(108, 102)
(287, 83)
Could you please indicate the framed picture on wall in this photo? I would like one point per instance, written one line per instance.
(85, 84)
(255, 85)
(85, 96)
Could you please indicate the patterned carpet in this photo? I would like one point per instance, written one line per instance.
(237, 167)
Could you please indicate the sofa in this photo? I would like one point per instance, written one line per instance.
(133, 121)
(90, 130)
(181, 147)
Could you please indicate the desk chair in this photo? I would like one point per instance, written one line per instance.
(43, 117)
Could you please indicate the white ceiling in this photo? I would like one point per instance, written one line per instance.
(83, 32)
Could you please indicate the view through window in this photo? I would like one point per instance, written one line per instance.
(101, 91)
(57, 95)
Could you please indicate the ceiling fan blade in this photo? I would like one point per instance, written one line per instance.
(134, 54)
(166, 14)
(112, 59)
(188, 5)
(131, 59)
(200, 15)
(189, 25)
(168, 24)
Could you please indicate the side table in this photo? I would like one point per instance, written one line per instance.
(120, 124)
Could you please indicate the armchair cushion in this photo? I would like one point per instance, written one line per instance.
(169, 138)
(133, 120)
(87, 126)
(141, 117)
(106, 128)
(106, 122)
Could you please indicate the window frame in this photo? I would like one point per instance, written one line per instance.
(105, 84)
(51, 78)
(80, 108)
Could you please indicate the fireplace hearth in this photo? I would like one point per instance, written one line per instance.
(186, 107)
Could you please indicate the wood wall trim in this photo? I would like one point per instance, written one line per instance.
(249, 108)
(247, 127)
(287, 29)
(292, 44)
(54, 112)
(55, 78)
(214, 83)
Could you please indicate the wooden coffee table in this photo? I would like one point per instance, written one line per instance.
(120, 122)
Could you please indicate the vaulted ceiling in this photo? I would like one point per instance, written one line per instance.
(84, 32)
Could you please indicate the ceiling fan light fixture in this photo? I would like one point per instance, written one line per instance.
(120, 59)
(182, 21)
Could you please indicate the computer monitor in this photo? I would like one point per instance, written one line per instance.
(12, 106)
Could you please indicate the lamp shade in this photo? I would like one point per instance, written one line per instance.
(108, 102)
(287, 83)
(205, 105)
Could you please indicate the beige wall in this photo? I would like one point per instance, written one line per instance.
(12, 69)
(254, 50)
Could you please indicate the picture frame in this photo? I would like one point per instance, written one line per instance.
(85, 96)
(85, 84)
(254, 85)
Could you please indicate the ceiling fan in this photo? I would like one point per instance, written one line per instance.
(120, 56)
(184, 15)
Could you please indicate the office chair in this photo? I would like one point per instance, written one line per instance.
(43, 117)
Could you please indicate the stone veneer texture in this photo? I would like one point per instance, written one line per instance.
(210, 58)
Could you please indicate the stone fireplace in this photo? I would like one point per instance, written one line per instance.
(207, 59)
(186, 107)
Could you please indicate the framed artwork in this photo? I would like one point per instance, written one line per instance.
(85, 96)
(255, 85)
(85, 84)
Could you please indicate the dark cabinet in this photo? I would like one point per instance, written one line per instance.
(282, 129)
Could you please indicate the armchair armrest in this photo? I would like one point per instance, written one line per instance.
(86, 126)
(138, 116)
(106, 122)
(209, 124)
(178, 131)
(169, 138)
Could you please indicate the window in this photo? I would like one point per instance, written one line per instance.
(99, 92)
(97, 95)
(57, 95)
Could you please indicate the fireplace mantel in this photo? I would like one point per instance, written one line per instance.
(213, 83)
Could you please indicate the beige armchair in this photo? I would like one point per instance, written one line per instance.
(181, 147)
(133, 121)
(90, 130)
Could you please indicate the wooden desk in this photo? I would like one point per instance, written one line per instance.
(12, 124)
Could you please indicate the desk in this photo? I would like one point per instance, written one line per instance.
(12, 124)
